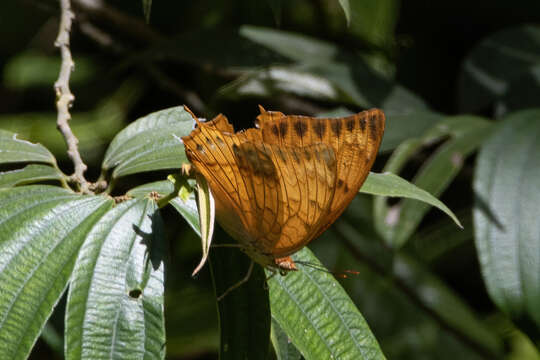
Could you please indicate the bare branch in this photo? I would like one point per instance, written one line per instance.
(64, 97)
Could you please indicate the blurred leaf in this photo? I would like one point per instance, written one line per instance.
(346, 9)
(223, 49)
(115, 301)
(182, 199)
(41, 231)
(347, 71)
(30, 69)
(29, 174)
(150, 143)
(401, 126)
(53, 338)
(441, 237)
(283, 347)
(318, 315)
(276, 80)
(424, 291)
(207, 215)
(498, 68)
(244, 313)
(388, 184)
(147, 7)
(290, 45)
(398, 222)
(506, 184)
(94, 129)
(14, 150)
(374, 21)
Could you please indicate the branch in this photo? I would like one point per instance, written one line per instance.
(64, 96)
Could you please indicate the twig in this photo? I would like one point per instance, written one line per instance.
(64, 96)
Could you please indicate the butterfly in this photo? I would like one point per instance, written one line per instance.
(281, 184)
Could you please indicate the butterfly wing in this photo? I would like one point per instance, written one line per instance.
(355, 140)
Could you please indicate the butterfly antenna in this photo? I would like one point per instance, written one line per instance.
(342, 274)
(261, 109)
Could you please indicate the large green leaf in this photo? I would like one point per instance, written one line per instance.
(14, 150)
(506, 185)
(29, 174)
(244, 313)
(318, 315)
(41, 231)
(503, 71)
(115, 301)
(466, 133)
(150, 143)
(388, 184)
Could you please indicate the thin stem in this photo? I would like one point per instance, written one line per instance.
(64, 96)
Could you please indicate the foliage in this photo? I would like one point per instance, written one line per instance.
(107, 273)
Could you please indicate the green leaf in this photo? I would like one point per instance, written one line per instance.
(398, 222)
(150, 143)
(284, 349)
(506, 214)
(401, 126)
(276, 80)
(346, 9)
(374, 21)
(14, 150)
(29, 174)
(502, 70)
(147, 7)
(33, 69)
(182, 199)
(244, 313)
(391, 185)
(115, 301)
(318, 315)
(41, 231)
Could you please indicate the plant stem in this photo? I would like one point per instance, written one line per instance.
(64, 97)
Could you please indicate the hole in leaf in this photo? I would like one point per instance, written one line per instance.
(135, 293)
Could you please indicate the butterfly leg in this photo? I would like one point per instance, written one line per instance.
(239, 283)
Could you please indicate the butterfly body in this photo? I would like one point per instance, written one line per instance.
(279, 186)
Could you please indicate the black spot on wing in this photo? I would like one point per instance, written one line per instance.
(351, 123)
(319, 127)
(283, 127)
(336, 127)
(300, 127)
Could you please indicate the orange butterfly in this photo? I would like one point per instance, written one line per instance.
(282, 184)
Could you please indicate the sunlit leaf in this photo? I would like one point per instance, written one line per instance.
(391, 185)
(13, 149)
(150, 143)
(318, 315)
(29, 174)
(115, 301)
(41, 231)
